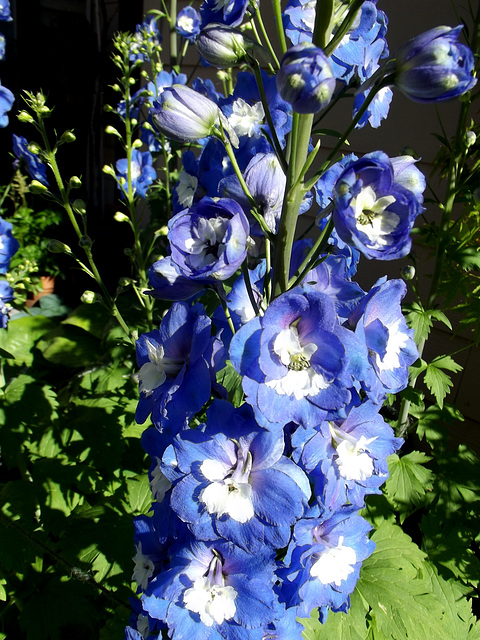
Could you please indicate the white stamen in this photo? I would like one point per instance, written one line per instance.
(334, 565)
(214, 603)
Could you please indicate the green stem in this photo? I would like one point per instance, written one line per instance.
(277, 10)
(264, 32)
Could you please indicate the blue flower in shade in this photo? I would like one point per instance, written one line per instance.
(236, 483)
(6, 102)
(135, 104)
(305, 79)
(377, 110)
(177, 363)
(168, 282)
(379, 321)
(373, 211)
(5, 13)
(296, 361)
(215, 591)
(35, 167)
(8, 245)
(163, 80)
(209, 240)
(347, 459)
(434, 66)
(323, 562)
(2, 46)
(188, 23)
(142, 173)
(6, 296)
(229, 12)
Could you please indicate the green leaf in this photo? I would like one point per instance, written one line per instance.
(340, 626)
(92, 318)
(420, 320)
(409, 482)
(467, 257)
(6, 354)
(438, 382)
(139, 494)
(232, 381)
(21, 335)
(69, 347)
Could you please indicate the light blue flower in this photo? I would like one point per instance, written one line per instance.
(6, 296)
(6, 102)
(5, 13)
(35, 167)
(141, 171)
(8, 245)
(188, 23)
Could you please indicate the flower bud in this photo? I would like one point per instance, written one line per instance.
(184, 115)
(55, 246)
(74, 182)
(305, 78)
(37, 187)
(470, 139)
(222, 46)
(90, 297)
(408, 272)
(24, 116)
(85, 242)
(120, 217)
(80, 207)
(68, 136)
(434, 67)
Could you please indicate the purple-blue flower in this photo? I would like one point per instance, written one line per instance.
(373, 211)
(5, 13)
(2, 46)
(188, 23)
(434, 66)
(177, 363)
(222, 46)
(6, 102)
(232, 481)
(215, 591)
(35, 167)
(6, 296)
(8, 245)
(146, 32)
(379, 321)
(305, 79)
(142, 174)
(209, 240)
(230, 12)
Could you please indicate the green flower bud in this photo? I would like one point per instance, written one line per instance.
(90, 297)
(55, 246)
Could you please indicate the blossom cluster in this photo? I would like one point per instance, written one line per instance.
(6, 96)
(258, 483)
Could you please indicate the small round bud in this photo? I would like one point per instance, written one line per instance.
(85, 242)
(79, 206)
(112, 131)
(90, 297)
(120, 217)
(470, 138)
(131, 81)
(125, 282)
(24, 116)
(407, 272)
(55, 246)
(133, 122)
(115, 87)
(34, 148)
(75, 182)
(109, 170)
(137, 144)
(68, 136)
(37, 187)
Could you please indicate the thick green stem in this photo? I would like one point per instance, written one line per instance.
(277, 10)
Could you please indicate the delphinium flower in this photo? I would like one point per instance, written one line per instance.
(2, 46)
(33, 164)
(175, 378)
(229, 12)
(222, 46)
(188, 23)
(142, 173)
(146, 33)
(209, 241)
(6, 102)
(373, 211)
(5, 12)
(323, 562)
(8, 245)
(214, 590)
(232, 481)
(434, 66)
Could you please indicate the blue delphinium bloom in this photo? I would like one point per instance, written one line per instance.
(305, 78)
(188, 23)
(215, 591)
(135, 104)
(6, 102)
(6, 296)
(434, 66)
(379, 320)
(223, 46)
(165, 79)
(373, 212)
(235, 481)
(209, 240)
(141, 170)
(5, 13)
(347, 459)
(229, 12)
(323, 562)
(294, 360)
(2, 46)
(169, 283)
(175, 377)
(8, 245)
(35, 167)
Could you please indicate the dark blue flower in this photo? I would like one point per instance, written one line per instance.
(305, 78)
(209, 240)
(434, 66)
(142, 173)
(35, 167)
(188, 23)
(8, 245)
(2, 46)
(229, 12)
(373, 211)
(5, 13)
(6, 296)
(235, 483)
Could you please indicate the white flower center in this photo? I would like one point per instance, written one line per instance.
(372, 217)
(185, 24)
(186, 187)
(246, 118)
(300, 380)
(144, 568)
(206, 244)
(395, 343)
(214, 603)
(353, 461)
(159, 483)
(334, 565)
(154, 373)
